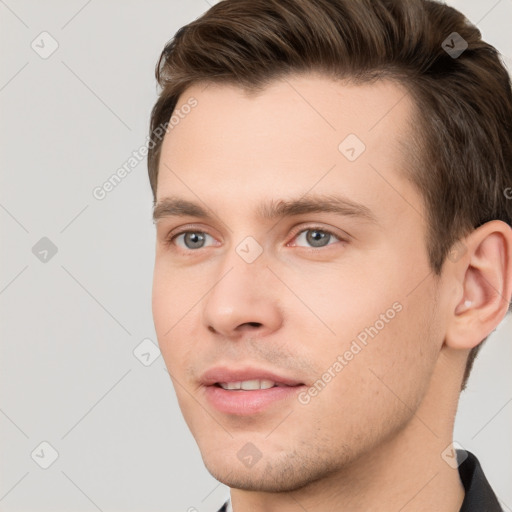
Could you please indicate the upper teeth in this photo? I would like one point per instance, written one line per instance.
(248, 384)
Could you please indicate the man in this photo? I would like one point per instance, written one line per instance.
(334, 244)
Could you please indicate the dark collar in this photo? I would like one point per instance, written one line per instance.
(224, 507)
(479, 495)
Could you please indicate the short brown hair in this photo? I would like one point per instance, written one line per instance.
(464, 122)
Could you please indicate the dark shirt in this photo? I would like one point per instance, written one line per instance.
(479, 496)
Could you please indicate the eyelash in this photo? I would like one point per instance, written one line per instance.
(169, 240)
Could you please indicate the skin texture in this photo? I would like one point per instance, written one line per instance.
(372, 439)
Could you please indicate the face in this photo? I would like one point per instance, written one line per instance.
(303, 266)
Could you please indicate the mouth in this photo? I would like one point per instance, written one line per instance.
(247, 391)
(248, 385)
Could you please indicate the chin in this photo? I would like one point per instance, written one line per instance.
(257, 480)
(284, 472)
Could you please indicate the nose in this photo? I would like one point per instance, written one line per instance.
(244, 299)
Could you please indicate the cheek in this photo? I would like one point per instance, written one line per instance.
(372, 388)
(384, 342)
(396, 365)
(161, 304)
(169, 314)
(172, 295)
(349, 302)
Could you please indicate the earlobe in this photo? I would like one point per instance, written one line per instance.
(485, 276)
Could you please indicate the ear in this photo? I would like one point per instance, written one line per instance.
(483, 277)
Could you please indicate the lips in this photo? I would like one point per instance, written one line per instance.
(249, 391)
(225, 375)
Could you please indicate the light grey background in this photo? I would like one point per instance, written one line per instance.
(70, 325)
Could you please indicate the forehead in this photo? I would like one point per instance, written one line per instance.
(300, 133)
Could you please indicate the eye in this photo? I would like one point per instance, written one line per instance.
(191, 239)
(317, 237)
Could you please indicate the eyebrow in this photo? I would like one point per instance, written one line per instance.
(178, 207)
